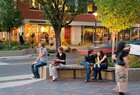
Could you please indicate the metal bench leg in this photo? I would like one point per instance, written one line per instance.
(113, 75)
(74, 74)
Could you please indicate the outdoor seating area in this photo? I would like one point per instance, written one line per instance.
(75, 72)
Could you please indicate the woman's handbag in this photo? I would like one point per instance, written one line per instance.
(56, 62)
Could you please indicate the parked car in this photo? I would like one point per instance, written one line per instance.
(134, 46)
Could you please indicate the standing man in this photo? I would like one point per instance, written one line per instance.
(40, 61)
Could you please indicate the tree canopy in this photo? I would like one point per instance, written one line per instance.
(10, 16)
(118, 15)
(60, 13)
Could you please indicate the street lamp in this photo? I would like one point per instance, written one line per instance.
(94, 34)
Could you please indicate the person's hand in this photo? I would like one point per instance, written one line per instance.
(34, 62)
(57, 59)
(97, 63)
(114, 57)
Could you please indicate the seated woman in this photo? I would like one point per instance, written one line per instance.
(100, 64)
(59, 61)
(89, 61)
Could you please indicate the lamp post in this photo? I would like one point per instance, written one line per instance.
(94, 34)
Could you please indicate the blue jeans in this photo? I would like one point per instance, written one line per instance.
(98, 70)
(35, 68)
(87, 66)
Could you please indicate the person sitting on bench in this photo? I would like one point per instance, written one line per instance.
(89, 61)
(100, 64)
(59, 61)
(40, 61)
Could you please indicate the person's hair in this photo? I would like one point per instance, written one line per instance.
(101, 53)
(61, 49)
(90, 51)
(42, 44)
(120, 46)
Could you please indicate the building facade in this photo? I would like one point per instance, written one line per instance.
(84, 28)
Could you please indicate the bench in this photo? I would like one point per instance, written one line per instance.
(74, 71)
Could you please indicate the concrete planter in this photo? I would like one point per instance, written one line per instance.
(134, 74)
(132, 77)
(17, 52)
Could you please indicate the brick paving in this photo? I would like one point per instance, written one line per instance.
(68, 87)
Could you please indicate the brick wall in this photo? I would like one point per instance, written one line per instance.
(30, 13)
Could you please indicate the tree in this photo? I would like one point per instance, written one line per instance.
(60, 13)
(117, 15)
(10, 17)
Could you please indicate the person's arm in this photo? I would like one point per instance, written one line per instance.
(41, 54)
(63, 58)
(114, 57)
(102, 59)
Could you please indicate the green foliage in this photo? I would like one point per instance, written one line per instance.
(10, 17)
(51, 51)
(110, 64)
(68, 49)
(133, 61)
(15, 46)
(55, 10)
(118, 15)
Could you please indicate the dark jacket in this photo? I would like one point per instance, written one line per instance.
(90, 58)
(62, 57)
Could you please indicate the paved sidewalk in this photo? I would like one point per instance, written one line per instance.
(64, 87)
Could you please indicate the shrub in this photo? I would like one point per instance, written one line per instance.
(73, 50)
(51, 51)
(110, 64)
(68, 49)
(14, 46)
(133, 61)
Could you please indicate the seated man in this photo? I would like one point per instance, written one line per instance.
(89, 61)
(41, 60)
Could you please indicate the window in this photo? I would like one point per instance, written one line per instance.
(91, 8)
(34, 5)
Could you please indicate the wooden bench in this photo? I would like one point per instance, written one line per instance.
(74, 68)
(44, 71)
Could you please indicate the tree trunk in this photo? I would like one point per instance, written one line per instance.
(57, 30)
(9, 39)
(123, 35)
(113, 44)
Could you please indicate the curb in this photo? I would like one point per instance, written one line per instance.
(15, 78)
(16, 57)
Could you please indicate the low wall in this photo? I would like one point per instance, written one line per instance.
(133, 74)
(17, 52)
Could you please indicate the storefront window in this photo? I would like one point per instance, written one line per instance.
(102, 34)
